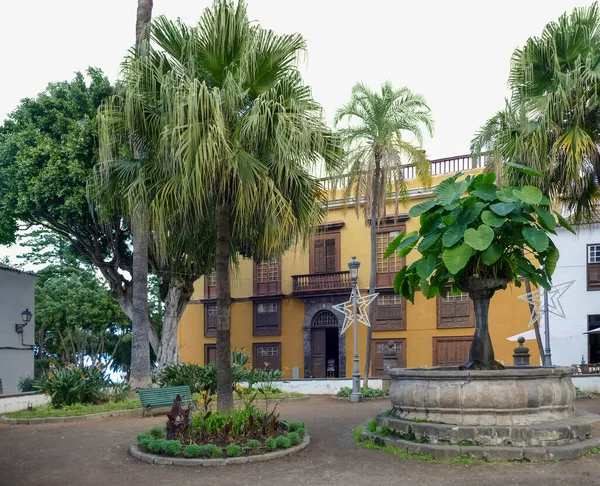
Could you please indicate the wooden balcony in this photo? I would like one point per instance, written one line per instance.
(321, 283)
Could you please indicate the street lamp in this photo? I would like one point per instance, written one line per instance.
(26, 315)
(356, 395)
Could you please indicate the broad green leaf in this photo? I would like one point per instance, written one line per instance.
(487, 192)
(537, 238)
(461, 188)
(398, 279)
(564, 223)
(526, 170)
(470, 214)
(409, 241)
(393, 246)
(452, 206)
(407, 245)
(546, 217)
(545, 201)
(453, 235)
(430, 223)
(479, 238)
(506, 195)
(446, 192)
(456, 258)
(417, 209)
(426, 266)
(551, 261)
(491, 219)
(529, 194)
(425, 288)
(428, 241)
(502, 208)
(491, 254)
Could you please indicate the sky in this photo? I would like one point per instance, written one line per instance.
(455, 53)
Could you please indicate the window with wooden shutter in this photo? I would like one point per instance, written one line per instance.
(210, 320)
(593, 267)
(387, 267)
(267, 278)
(389, 313)
(210, 353)
(451, 350)
(210, 286)
(378, 347)
(267, 318)
(455, 311)
(325, 256)
(266, 356)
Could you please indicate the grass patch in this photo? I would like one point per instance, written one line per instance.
(373, 425)
(78, 409)
(579, 393)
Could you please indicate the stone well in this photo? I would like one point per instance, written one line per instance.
(513, 396)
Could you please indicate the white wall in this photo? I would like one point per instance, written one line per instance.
(16, 360)
(321, 387)
(577, 302)
(19, 402)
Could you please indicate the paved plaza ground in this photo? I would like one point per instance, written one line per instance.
(95, 453)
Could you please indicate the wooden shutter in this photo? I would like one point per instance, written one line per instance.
(593, 267)
(330, 256)
(455, 311)
(210, 320)
(451, 350)
(210, 353)
(267, 278)
(387, 267)
(378, 347)
(389, 313)
(317, 352)
(266, 356)
(325, 258)
(319, 255)
(267, 318)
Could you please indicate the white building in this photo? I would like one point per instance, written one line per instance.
(16, 326)
(580, 262)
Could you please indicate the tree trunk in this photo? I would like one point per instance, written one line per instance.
(536, 325)
(144, 15)
(140, 338)
(178, 295)
(224, 374)
(373, 273)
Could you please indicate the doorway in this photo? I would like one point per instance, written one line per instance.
(593, 340)
(325, 346)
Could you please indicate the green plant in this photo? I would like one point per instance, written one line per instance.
(26, 384)
(234, 450)
(143, 440)
(210, 450)
(253, 444)
(172, 447)
(192, 450)
(270, 443)
(346, 391)
(474, 233)
(294, 426)
(373, 425)
(294, 437)
(157, 445)
(385, 430)
(120, 391)
(579, 393)
(283, 442)
(157, 432)
(71, 384)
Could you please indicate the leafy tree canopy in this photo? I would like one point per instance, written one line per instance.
(475, 229)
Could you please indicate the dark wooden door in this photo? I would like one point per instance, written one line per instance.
(451, 351)
(378, 347)
(210, 353)
(455, 311)
(318, 353)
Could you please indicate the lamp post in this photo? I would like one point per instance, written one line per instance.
(356, 395)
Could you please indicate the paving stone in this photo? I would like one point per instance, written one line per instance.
(503, 453)
(165, 461)
(213, 462)
(535, 454)
(474, 452)
(237, 460)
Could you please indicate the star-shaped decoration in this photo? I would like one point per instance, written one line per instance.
(536, 299)
(347, 308)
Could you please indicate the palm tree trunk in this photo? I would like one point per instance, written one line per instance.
(140, 339)
(144, 15)
(224, 374)
(373, 274)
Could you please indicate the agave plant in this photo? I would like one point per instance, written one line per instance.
(477, 238)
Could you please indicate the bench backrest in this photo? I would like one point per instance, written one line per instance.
(163, 397)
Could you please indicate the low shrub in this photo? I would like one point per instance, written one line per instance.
(270, 443)
(234, 450)
(172, 447)
(157, 445)
(210, 450)
(293, 437)
(71, 384)
(283, 442)
(346, 391)
(192, 450)
(253, 444)
(143, 440)
(373, 425)
(26, 384)
(157, 432)
(294, 426)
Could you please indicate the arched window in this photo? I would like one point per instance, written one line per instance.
(325, 318)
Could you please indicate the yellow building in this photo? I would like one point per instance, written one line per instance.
(282, 313)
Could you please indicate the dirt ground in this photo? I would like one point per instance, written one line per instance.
(95, 453)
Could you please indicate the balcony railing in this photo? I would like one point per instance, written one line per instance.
(448, 165)
(321, 282)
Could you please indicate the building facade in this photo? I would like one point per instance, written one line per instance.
(579, 262)
(16, 337)
(282, 312)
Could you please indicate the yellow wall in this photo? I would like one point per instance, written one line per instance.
(508, 314)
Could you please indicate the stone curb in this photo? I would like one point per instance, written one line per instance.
(72, 418)
(135, 452)
(486, 453)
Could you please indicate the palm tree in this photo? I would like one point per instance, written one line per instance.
(144, 15)
(378, 154)
(552, 121)
(236, 134)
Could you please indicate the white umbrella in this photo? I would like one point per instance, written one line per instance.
(593, 331)
(556, 331)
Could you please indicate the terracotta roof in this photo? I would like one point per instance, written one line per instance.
(15, 270)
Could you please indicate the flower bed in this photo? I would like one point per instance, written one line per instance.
(78, 409)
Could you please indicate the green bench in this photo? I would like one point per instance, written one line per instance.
(163, 397)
